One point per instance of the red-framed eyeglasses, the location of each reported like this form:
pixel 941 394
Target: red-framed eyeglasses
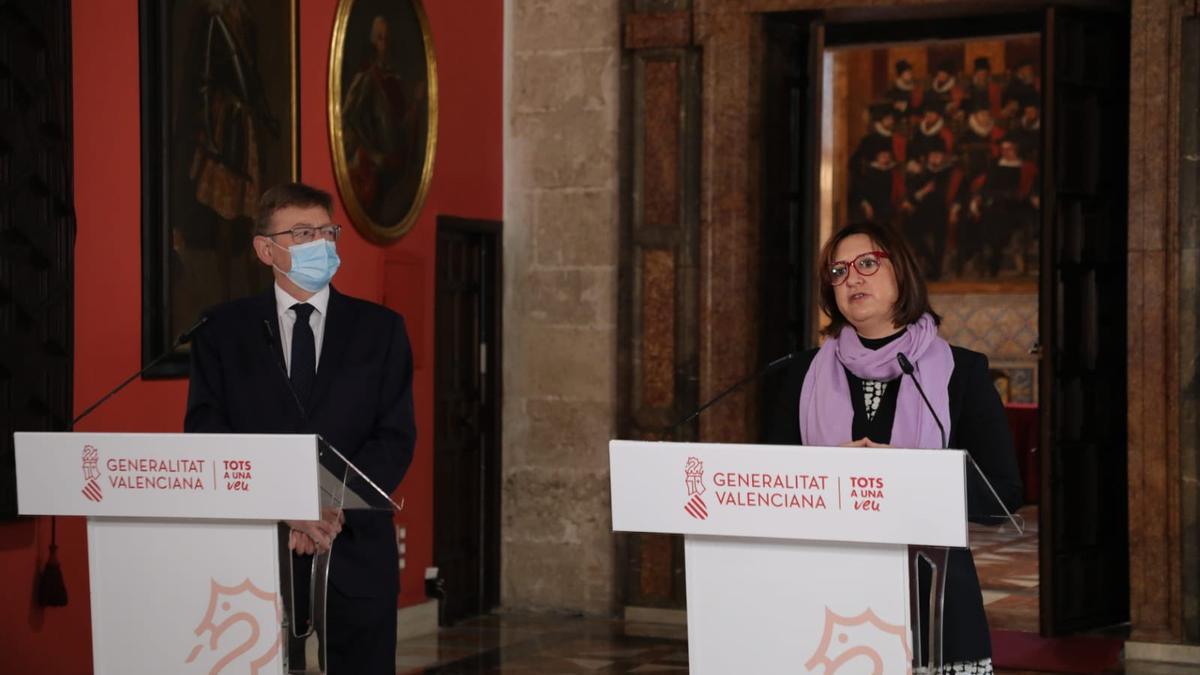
pixel 867 264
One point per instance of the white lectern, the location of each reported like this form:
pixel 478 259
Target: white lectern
pixel 797 557
pixel 184 541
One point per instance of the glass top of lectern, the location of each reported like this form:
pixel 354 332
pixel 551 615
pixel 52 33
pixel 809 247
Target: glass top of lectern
pixel 344 486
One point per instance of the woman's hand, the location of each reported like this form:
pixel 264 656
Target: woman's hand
pixel 865 442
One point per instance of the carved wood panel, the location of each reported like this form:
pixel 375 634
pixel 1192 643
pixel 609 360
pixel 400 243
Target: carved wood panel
pixel 37 226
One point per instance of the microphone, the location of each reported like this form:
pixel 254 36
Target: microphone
pixel 271 344
pixel 737 385
pixel 907 367
pixel 184 338
pixel 51 590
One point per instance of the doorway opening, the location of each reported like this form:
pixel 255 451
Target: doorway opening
pixel 941 140
pixel 987 141
pixel 466 544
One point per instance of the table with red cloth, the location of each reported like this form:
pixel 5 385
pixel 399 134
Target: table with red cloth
pixel 1023 420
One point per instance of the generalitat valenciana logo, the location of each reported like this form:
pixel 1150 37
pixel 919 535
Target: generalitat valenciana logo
pixel 693 474
pixel 91 473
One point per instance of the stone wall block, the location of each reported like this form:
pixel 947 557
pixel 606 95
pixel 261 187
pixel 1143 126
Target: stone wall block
pixel 578 297
pixel 567 149
pixel 578 80
pixel 545 584
pixel 540 25
pixel 567 362
pixel 558 505
pixel 576 227
pixel 560 433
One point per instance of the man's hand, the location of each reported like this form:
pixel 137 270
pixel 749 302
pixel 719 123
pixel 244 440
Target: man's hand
pixel 301 543
pixel 318 533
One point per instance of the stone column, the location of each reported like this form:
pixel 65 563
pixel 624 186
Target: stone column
pixel 560 285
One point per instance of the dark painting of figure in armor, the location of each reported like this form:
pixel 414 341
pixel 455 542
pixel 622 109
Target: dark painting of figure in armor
pixel 942 140
pixel 219 97
pixel 383 113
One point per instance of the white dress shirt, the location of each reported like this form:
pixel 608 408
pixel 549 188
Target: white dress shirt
pixel 287 320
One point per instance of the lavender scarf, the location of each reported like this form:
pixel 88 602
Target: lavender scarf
pixel 826 413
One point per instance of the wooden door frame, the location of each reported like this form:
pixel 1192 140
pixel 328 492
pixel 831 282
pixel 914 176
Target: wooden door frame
pixel 728 35
pixel 1157 534
pixel 730 208
pixel 490 524
pixel 1050 296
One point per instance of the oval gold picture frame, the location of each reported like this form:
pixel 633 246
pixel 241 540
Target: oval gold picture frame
pixel 380 113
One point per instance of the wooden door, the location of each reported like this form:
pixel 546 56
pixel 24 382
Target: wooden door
pixel 37 227
pixel 791 131
pixel 466 541
pixel 1084 547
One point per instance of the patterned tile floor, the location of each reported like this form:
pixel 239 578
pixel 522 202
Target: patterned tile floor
pixel 1007 564
pixel 541 644
pixel 522 644
pixel 525 644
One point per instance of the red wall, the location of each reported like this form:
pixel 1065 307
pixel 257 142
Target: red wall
pixel 467 181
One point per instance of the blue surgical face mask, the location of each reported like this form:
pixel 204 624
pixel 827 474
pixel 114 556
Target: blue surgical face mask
pixel 313 264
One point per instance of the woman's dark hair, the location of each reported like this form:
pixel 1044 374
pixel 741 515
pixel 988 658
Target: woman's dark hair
pixel 913 298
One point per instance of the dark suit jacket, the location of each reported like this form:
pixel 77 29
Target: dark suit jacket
pixel 978 425
pixel 361 403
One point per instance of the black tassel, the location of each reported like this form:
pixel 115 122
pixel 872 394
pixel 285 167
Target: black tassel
pixel 52 592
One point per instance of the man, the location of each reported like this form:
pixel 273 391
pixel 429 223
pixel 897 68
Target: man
pixel 877 191
pixel 1024 84
pixel 349 364
pixel 1004 204
pixel 944 91
pixel 931 133
pixel 979 142
pixel 882 134
pixel 383 127
pixel 982 92
pixel 904 94
pixel 932 207
pixel 1026 131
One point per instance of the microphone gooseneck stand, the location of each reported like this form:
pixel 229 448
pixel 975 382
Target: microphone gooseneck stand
pixel 773 365
pixel 52 592
pixel 936 557
pixel 184 338
pixel 907 368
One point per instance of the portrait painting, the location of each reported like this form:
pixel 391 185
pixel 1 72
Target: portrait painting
pixel 941 140
pixel 382 113
pixel 219 126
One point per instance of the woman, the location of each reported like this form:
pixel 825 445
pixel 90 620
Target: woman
pixel 850 392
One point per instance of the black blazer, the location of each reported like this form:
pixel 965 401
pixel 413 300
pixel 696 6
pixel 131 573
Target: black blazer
pixel 978 425
pixel 361 403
